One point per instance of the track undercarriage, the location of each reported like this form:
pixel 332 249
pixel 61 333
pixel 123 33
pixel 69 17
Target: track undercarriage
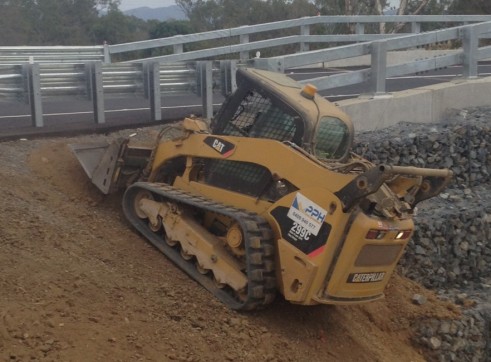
pixel 228 251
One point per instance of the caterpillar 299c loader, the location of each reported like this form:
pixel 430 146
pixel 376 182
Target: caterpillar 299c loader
pixel 268 198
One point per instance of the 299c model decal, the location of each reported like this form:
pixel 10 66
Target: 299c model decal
pixel 298 232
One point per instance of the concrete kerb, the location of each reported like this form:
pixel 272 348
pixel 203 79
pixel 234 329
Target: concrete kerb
pixel 429 104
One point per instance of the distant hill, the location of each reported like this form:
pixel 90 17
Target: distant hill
pixel 162 14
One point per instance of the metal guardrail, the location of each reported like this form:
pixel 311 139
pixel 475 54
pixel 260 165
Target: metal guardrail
pixel 73 80
pixel 31 83
pixel 52 54
pixel 468 55
pixel 240 40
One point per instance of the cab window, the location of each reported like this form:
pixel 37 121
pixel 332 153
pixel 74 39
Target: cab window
pixel 331 139
pixel 257 116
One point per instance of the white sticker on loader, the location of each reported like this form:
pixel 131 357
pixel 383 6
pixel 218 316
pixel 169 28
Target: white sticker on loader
pixel 307 213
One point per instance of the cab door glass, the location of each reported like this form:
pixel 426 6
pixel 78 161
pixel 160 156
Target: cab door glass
pixel 331 138
pixel 258 117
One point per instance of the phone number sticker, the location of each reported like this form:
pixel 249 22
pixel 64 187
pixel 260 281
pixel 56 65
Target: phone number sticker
pixel 307 214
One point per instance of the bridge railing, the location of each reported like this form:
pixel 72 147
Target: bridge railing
pixel 152 79
pixel 95 81
pixel 240 40
pixel 52 54
pixel 469 54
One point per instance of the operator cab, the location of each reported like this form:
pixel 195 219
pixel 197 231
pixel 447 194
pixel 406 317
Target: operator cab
pixel 271 105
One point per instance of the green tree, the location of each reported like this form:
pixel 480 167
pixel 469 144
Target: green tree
pixel 169 28
pixel 220 14
pixel 203 14
pixel 114 27
pixel 64 22
pixel 50 22
pixel 350 7
pixel 378 7
pixel 15 22
pixel 371 7
pixel 468 7
pixel 223 14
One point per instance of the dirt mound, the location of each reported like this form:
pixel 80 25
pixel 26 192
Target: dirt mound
pixel 50 163
pixel 79 284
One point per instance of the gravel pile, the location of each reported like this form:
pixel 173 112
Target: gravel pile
pixel 449 251
pixel 449 248
pixel 454 340
pixel 461 143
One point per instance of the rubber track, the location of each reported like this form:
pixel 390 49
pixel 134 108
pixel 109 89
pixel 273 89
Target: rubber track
pixel 258 237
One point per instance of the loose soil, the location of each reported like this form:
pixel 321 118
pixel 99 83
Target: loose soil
pixel 77 283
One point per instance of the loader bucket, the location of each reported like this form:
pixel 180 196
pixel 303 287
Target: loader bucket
pixel 99 161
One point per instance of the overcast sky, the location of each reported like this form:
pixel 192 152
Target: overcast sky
pixel 131 4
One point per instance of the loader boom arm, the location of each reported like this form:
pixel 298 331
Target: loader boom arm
pixel 432 182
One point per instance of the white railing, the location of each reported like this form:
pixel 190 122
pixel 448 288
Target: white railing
pixel 31 82
pixel 239 40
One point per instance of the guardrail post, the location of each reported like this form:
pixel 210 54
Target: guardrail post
pixel 304 31
pixel 244 39
pixel 228 68
pixel 470 41
pixel 107 53
pixel 96 90
pixel 178 48
pixel 415 27
pixel 205 88
pixel 378 67
pixel 360 28
pixel 33 83
pixel 153 90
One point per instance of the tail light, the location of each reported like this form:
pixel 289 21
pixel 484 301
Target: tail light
pixel 403 234
pixel 374 234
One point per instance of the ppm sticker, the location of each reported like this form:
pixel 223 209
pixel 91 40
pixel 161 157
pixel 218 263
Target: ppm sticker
pixel 307 214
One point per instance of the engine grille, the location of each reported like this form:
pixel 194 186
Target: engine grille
pixel 378 255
